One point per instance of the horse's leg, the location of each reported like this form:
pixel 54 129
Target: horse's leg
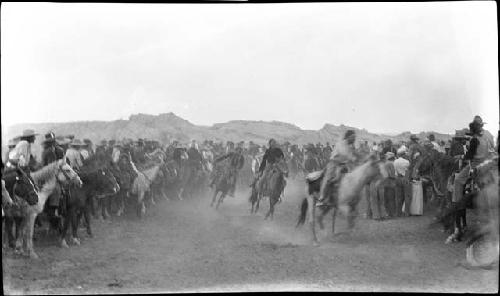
pixel 75 217
pixel 311 203
pixel 220 200
pixel 30 227
pixel 86 215
pixel 214 196
pixel 258 202
pixel 9 228
pixel 20 226
pixel 322 212
pixel 64 230
pixel 334 216
pixel 121 203
pixel 270 207
pixel 140 198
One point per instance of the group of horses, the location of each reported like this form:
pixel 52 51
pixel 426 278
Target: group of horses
pixel 126 183
pixel 437 169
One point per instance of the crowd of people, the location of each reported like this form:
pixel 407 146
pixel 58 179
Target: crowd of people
pixel 248 163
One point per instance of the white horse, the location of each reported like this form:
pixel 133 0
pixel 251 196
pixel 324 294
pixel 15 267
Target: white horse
pixel 346 199
pixel 46 177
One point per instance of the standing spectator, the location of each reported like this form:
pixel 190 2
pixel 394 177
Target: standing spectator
pixel 403 186
pixel 388 186
pixel 73 154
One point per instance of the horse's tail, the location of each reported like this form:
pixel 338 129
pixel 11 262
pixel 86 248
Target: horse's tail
pixel 303 213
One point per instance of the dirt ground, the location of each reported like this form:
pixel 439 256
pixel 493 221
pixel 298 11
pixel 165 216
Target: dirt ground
pixel 186 246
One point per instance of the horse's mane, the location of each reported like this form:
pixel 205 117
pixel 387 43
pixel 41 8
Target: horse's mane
pixel 46 173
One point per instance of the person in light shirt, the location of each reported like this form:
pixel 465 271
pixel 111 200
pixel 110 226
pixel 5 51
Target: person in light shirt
pixel 403 186
pixel 21 155
pixel 73 154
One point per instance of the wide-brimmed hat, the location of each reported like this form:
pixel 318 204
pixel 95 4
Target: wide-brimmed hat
pixel 414 137
pixel 87 141
pixel 62 140
pixel 27 133
pixel 13 141
pixel 50 137
pixel 103 142
pixel 402 150
pixel 478 120
pixel 76 143
pixel 461 133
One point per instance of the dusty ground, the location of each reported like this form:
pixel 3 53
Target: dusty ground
pixel 188 246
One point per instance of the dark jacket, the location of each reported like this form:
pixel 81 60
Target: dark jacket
pixel 272 155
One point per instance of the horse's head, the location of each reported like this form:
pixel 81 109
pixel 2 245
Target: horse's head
pixel 107 181
pixel 376 168
pixel 19 184
pixel 67 174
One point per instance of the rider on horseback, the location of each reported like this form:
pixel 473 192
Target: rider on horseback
pixel 236 162
pixel 343 156
pixel 273 155
pixel 481 147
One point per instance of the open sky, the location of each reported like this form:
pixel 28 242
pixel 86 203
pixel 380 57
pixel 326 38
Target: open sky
pixel 385 67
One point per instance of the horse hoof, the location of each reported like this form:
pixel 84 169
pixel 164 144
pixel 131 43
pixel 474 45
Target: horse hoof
pixel 64 244
pixel 33 255
pixel 76 241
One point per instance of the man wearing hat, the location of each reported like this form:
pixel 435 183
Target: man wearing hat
pixel 343 157
pixel 236 162
pixel 73 154
pixel 21 154
pixel 11 145
pixel 388 189
pixel 86 150
pixel 403 186
pixel 51 150
pixel 311 163
pixel 481 147
pixel 100 151
pixel 414 151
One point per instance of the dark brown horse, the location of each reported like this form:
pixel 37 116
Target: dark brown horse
pixel 273 187
pixel 222 184
pixel 97 181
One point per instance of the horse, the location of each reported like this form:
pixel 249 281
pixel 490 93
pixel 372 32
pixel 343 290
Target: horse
pixel 125 173
pixel 103 162
pixel 482 249
pixel 46 177
pixel 436 168
pixel 222 184
pixel 18 188
pixel 97 181
pixel 273 187
pixel 345 199
pixel 142 185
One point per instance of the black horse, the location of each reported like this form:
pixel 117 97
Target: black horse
pixel 97 180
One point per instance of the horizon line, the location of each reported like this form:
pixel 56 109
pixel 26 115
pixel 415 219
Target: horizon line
pixel 385 133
